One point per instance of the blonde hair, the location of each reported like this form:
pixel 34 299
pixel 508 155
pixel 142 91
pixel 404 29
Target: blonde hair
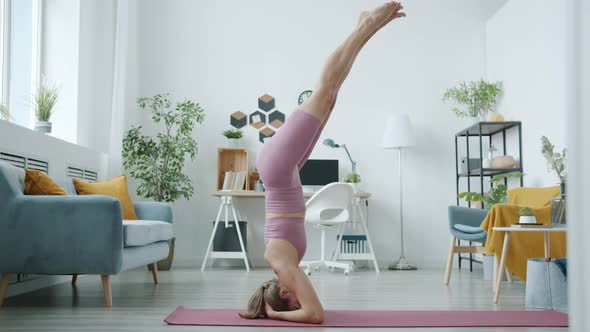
pixel 268 292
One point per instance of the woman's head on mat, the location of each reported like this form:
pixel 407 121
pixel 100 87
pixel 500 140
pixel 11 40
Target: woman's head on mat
pixel 272 293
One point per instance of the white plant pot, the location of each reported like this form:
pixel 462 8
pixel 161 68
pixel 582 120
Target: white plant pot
pixel 527 220
pixel 233 142
pixel 469 121
pixel 43 127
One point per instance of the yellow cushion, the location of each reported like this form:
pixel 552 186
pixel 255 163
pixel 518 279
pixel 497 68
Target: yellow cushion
pixel 39 183
pixel 532 197
pixel 116 188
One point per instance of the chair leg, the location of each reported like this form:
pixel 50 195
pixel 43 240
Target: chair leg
pixel 459 257
pixel 74 279
pixel 508 276
pixel 3 286
pixel 450 260
pixel 106 285
pixel 154 267
pixel 470 259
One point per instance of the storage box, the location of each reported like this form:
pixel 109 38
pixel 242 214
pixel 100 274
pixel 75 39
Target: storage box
pixel 546 285
pixel 226 239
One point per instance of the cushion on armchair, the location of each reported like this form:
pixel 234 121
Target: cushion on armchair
pixel 468 229
pixel 143 232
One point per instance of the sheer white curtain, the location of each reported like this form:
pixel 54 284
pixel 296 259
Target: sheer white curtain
pixel 119 87
pixel 578 164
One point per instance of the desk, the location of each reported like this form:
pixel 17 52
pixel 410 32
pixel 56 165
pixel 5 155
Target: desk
pixel 507 231
pixel 227 206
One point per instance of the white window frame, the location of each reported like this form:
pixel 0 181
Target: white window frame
pixel 5 50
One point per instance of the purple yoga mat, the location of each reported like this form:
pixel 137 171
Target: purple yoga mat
pixel 380 318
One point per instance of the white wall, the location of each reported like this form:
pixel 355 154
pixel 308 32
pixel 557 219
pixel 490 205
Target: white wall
pixel 226 54
pixel 579 140
pixel 95 80
pixel 526 49
pixel 59 62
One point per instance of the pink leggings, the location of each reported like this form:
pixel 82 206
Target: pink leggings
pixel 278 164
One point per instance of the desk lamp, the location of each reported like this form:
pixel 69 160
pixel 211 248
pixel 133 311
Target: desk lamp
pixel 330 142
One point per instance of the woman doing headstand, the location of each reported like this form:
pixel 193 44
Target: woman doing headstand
pixel 291 296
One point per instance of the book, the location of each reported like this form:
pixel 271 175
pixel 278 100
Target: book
pixel 226 178
pixel 240 180
pixel 537 225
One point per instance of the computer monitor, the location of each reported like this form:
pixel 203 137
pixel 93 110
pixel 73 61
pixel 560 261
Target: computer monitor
pixel 319 172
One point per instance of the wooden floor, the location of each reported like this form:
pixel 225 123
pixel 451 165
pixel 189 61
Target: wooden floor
pixel 138 305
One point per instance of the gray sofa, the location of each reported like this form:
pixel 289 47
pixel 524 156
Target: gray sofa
pixel 72 235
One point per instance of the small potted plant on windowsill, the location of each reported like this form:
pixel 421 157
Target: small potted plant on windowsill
pixel 43 102
pixel 4 114
pixel 233 137
pixel 527 216
pixel 354 179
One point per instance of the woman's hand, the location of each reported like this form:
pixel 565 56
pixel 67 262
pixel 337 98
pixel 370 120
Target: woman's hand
pixel 270 313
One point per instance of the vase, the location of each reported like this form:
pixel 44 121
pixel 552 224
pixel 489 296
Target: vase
pixel 233 142
pixel 527 220
pixel 469 121
pixel 43 127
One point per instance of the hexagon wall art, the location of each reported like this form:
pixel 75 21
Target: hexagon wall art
pixel 238 119
pixel 257 119
pixel 266 119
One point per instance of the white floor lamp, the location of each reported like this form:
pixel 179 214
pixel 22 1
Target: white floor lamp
pixel 399 135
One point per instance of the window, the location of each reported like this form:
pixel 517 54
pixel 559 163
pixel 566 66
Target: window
pixel 19 49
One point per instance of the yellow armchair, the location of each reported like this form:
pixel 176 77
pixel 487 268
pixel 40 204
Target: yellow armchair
pixel 522 245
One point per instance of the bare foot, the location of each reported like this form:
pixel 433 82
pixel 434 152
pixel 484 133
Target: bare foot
pixel 381 16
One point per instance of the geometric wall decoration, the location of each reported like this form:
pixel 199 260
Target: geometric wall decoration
pixel 265 119
pixel 276 119
pixel 265 133
pixel 266 102
pixel 238 119
pixel 258 119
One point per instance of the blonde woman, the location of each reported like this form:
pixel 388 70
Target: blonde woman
pixel 291 296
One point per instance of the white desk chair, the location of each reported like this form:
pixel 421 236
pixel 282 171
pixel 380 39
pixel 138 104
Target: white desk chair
pixel 333 197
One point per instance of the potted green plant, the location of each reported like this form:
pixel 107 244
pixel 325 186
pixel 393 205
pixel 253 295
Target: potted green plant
pixel 527 216
pixel 473 99
pixel 354 179
pixel 496 194
pixel 555 161
pixel 158 163
pixel 233 137
pixel 43 102
pixel 4 114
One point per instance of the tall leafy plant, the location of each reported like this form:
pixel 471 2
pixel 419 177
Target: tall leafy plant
pixel 4 114
pixel 473 98
pixel 496 194
pixel 158 163
pixel 555 161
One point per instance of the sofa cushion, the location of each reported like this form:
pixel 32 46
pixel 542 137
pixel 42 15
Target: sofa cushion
pixel 39 183
pixel 117 188
pixel 142 232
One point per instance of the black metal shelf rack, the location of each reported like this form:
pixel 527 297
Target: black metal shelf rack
pixel 482 130
pixel 488 130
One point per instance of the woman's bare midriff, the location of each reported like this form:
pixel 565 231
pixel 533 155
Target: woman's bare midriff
pixel 286 215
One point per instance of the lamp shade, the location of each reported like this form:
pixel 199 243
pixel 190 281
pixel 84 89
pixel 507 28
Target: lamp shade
pixel 398 132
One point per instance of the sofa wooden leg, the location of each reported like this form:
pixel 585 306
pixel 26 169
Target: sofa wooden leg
pixel 74 279
pixel 3 286
pixel 154 267
pixel 450 260
pixel 106 285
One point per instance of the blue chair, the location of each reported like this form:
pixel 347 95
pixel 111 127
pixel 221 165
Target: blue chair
pixel 71 235
pixel 464 225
